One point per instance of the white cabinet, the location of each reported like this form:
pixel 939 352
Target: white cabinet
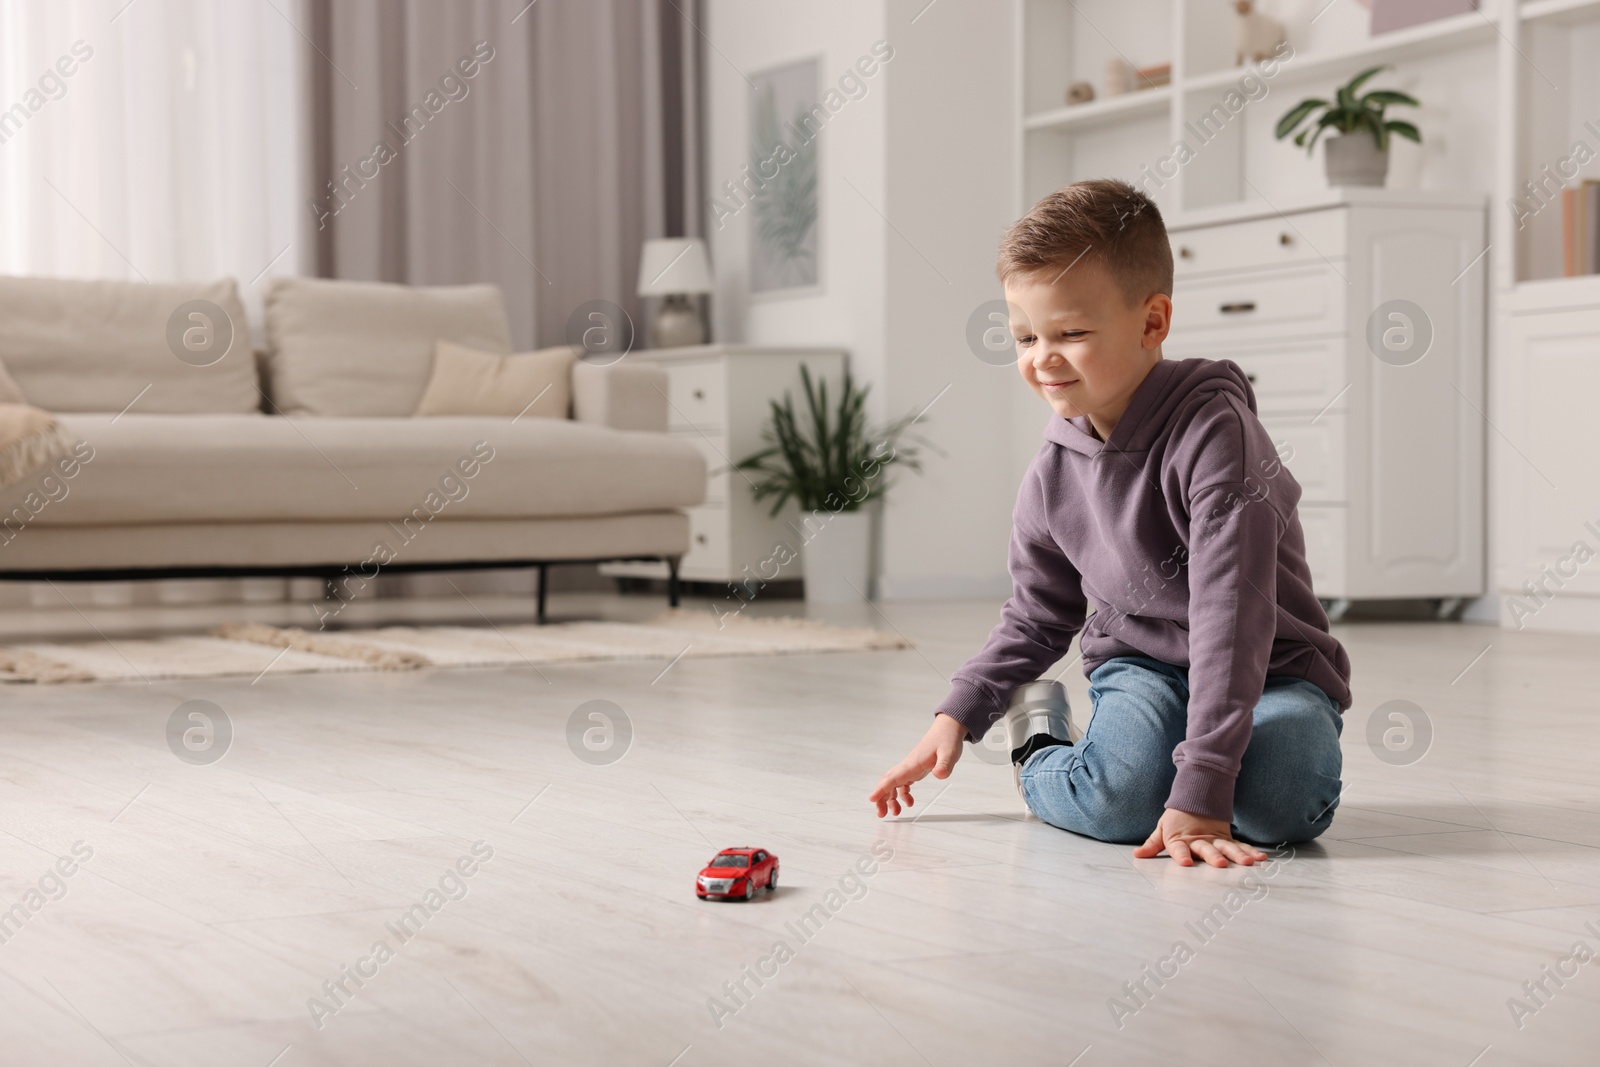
pixel 1548 481
pixel 1359 319
pixel 719 400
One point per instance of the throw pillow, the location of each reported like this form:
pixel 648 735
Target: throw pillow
pixel 468 382
pixel 346 348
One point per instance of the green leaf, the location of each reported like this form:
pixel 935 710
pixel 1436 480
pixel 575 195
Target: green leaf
pixel 1404 129
pixel 1385 97
pixel 830 458
pixel 1334 119
pixel 1349 91
pixel 1296 115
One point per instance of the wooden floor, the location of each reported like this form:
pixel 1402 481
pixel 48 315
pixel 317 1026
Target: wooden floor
pixel 220 898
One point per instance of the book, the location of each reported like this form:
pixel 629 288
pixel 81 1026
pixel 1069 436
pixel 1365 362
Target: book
pixel 1591 189
pixel 1580 228
pixel 1569 232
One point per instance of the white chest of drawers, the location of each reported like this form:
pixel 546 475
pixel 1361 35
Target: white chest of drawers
pixel 719 399
pixel 1386 444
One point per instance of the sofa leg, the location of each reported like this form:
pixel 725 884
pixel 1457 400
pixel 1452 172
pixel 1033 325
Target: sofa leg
pixel 672 581
pixel 544 576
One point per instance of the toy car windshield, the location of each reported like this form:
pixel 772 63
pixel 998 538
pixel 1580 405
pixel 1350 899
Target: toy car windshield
pixel 729 859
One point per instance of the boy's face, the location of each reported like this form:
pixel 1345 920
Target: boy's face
pixel 1080 344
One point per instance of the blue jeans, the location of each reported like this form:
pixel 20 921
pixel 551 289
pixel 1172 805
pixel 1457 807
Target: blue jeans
pixel 1113 784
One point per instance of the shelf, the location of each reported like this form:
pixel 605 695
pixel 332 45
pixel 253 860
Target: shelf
pixel 1559 10
pixel 1555 294
pixel 1320 200
pixel 1458 31
pixel 1141 103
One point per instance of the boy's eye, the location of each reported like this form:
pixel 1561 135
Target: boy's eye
pixel 1025 341
pixel 1073 335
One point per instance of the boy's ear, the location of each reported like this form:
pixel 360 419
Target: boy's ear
pixel 1157 320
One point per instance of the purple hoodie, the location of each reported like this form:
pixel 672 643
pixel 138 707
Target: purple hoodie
pixel 1189 490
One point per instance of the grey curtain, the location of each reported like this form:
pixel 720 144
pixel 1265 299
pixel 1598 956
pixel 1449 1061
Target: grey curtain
pixel 536 146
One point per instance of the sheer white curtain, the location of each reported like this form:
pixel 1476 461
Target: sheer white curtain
pixel 172 149
pixel 151 140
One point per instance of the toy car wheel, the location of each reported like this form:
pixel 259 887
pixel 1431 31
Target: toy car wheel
pixel 750 888
pixel 772 883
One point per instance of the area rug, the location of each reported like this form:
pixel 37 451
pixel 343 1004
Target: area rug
pixel 251 649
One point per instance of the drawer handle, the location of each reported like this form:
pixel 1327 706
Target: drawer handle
pixel 700 539
pixel 699 394
pixel 1285 239
pixel 1251 378
pixel 1242 307
pixel 1184 253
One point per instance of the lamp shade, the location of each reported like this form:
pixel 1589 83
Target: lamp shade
pixel 670 265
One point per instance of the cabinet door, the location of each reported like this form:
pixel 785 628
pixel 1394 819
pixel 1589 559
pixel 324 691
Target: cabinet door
pixel 1552 490
pixel 1416 425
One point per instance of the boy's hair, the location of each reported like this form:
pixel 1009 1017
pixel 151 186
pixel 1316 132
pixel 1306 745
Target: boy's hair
pixel 1103 218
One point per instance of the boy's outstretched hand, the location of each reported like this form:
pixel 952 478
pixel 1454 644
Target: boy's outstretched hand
pixel 938 751
pixel 1185 836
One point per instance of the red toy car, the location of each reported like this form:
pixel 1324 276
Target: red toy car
pixel 738 872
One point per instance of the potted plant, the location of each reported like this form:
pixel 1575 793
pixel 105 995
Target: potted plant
pixel 1359 153
pixel 832 465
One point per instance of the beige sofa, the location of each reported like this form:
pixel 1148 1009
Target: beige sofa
pixel 304 459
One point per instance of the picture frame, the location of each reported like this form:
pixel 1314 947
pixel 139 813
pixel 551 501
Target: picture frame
pixel 784 149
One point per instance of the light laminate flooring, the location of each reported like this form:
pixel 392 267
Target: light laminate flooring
pixel 220 897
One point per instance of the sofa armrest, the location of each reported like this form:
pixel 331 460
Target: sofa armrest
pixel 625 396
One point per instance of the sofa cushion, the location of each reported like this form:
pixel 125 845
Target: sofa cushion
pixel 534 385
pixel 360 545
pixel 243 468
pixel 342 348
pixel 75 345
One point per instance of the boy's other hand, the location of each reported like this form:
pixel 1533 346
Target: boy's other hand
pixel 1185 836
pixel 938 751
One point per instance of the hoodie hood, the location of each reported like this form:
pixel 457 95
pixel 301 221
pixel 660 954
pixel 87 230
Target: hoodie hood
pixel 1172 389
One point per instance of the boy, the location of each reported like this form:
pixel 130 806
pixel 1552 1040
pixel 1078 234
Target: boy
pixel 1217 689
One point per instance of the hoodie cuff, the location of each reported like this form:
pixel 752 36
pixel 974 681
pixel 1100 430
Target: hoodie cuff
pixel 1202 790
pixel 972 707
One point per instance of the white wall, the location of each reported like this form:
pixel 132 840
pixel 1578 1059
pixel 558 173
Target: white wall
pixel 951 184
pixel 916 188
pixel 751 35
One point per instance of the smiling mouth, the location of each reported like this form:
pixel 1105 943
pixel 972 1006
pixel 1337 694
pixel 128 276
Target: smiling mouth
pixel 1058 385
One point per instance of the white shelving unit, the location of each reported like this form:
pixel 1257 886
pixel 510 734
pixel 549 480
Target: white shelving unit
pixel 1506 90
pixel 1235 157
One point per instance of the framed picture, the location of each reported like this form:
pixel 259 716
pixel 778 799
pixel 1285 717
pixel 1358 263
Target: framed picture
pixel 784 210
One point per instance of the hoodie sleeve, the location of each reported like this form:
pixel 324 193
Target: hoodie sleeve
pixel 1234 530
pixel 1046 608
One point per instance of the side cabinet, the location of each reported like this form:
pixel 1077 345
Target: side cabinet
pixel 1361 326
pixel 719 400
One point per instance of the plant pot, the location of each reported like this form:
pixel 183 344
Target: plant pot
pixel 837 559
pixel 1355 159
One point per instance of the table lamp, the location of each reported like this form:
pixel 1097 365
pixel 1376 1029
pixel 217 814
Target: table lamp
pixel 675 268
